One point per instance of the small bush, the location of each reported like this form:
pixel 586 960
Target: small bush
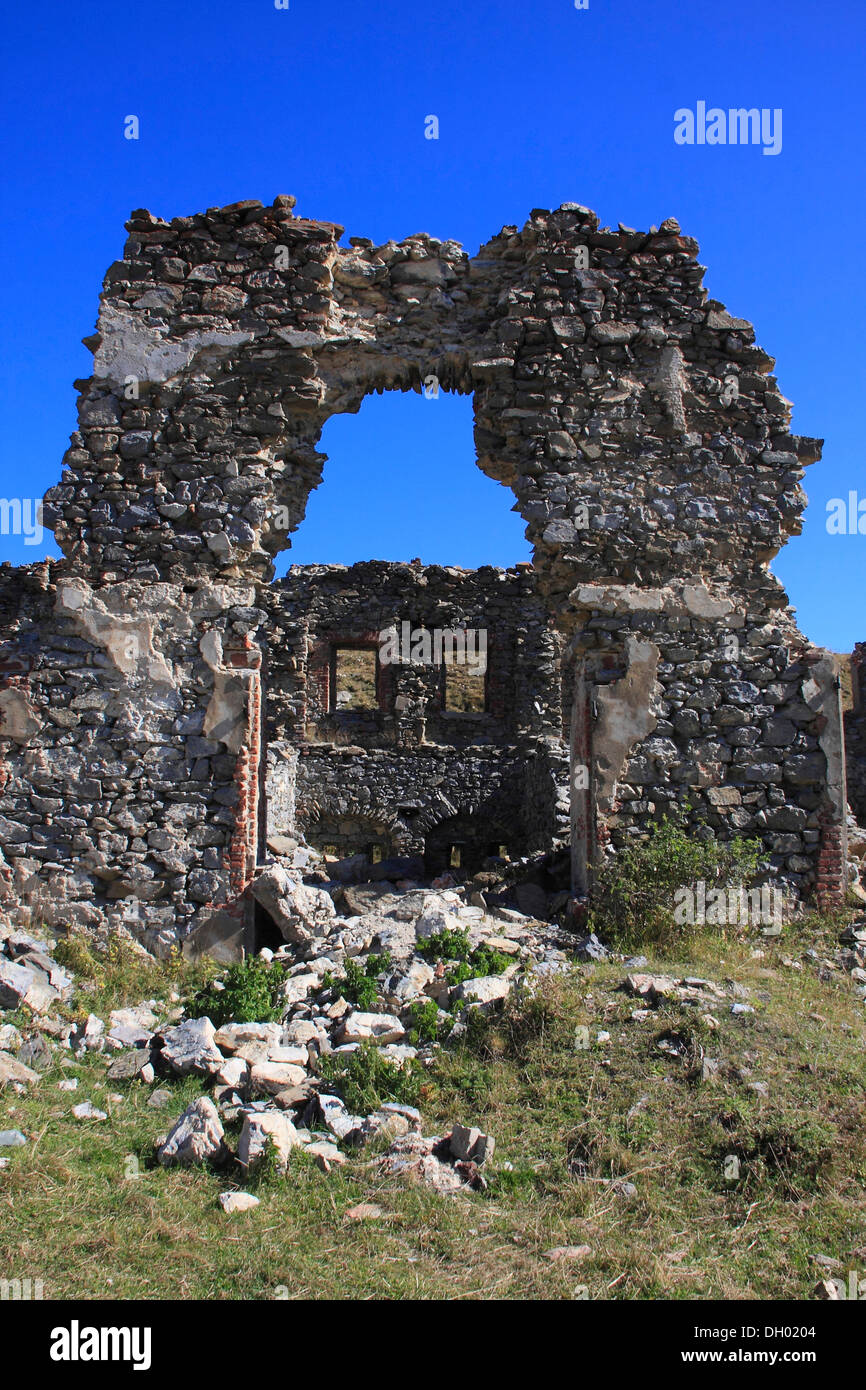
pixel 425 1024
pixel 484 960
pixel 451 944
pixel 251 993
pixel 633 892
pixel 358 981
pixel 365 1079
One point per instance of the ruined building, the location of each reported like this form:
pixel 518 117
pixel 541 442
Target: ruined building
pixel 164 705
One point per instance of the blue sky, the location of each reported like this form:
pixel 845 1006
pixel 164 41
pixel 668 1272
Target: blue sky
pixel 538 104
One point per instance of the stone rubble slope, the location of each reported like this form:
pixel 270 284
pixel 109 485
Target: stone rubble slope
pixel 266 1076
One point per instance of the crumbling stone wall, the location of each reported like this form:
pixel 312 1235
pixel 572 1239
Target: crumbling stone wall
pixel 647 446
pixel 395 772
pixel 855 735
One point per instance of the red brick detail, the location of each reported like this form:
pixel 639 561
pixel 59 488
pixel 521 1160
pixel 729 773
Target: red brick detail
pixel 243 850
pixel 831 883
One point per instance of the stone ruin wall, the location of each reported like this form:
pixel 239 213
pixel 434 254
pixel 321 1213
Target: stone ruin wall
pixel 855 735
pixel 654 498
pixel 400 771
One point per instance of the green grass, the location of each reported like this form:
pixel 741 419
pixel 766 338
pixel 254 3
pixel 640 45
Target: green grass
pixel 569 1121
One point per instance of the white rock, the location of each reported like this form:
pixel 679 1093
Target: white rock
pixel 398 1053
pixel 20 985
pixel 357 1026
pixel 233 1035
pixel 272 1077
pixel 336 1117
pixel 294 991
pixel 471 1144
pixel 11 1070
pixel 10 1038
pixel 259 1127
pixel 485 989
pixel 88 1111
pixel 191 1047
pixel 326 1153
pixel 235 1073
pixel 301 912
pixel 197 1136
pixel 303 1031
pixel 238 1201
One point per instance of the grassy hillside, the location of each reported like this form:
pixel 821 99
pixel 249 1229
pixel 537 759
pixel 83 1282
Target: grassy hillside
pixel 619 1146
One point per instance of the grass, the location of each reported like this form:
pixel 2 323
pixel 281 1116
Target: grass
pixel 569 1121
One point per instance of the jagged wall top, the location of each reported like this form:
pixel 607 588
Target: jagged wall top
pixel 601 376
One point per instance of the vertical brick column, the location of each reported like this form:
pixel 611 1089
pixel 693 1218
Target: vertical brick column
pixel 243 849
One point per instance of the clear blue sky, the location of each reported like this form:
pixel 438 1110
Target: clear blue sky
pixel 538 104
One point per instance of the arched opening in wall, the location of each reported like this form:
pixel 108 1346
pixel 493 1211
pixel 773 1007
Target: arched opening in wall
pixel 402 480
pixel 408 655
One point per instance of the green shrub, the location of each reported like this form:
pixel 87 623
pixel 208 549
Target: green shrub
pixel 358 984
pixel 633 892
pixel 365 1079
pixel 451 944
pixel 484 960
pixel 425 1024
pixel 251 993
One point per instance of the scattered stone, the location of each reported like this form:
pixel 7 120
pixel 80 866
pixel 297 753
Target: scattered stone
pixel 237 1201
pixel 128 1066
pixel 191 1048
pixel 590 948
pixel 260 1129
pixel 269 1078
pixel 196 1137
pixel 471 1145
pixel 364 1211
pixel 233 1035
pixel 486 989
pixel 12 1139
pixel 13 1070
pixel 88 1111
pixel 299 911
pixel 35 1053
pixel 326 1155
pixel 356 1027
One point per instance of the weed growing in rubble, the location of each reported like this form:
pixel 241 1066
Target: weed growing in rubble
pixel 358 983
pixel 250 993
pixel 484 960
pixel 453 945
pixel 446 945
pixel 425 1025
pixel 633 891
pixel 365 1079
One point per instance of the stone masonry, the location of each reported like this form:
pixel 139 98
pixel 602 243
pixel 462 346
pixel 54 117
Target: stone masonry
pixel 396 773
pixel 647 445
